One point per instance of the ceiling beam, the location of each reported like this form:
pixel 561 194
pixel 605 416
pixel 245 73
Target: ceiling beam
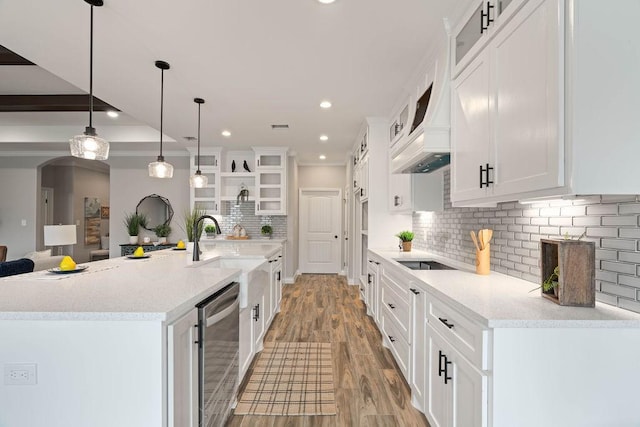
pixel 8 57
pixel 34 103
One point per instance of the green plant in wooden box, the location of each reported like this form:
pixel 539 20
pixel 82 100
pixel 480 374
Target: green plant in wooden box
pixel 210 229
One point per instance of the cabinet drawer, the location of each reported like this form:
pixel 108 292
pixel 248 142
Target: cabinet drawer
pixel 399 284
pixel 397 309
pixel 399 346
pixel 465 335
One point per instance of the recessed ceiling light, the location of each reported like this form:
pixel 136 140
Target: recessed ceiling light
pixel 112 114
pixel 226 133
pixel 325 104
pixel 324 138
pixel 322 157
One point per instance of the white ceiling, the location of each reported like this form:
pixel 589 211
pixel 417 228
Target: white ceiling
pixel 255 63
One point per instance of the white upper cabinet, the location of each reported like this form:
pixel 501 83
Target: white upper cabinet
pixel 482 21
pixel 208 197
pixel 544 100
pixel 416 192
pixel 271 180
pixel 506 113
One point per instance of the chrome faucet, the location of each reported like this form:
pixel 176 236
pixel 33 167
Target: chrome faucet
pixel 196 237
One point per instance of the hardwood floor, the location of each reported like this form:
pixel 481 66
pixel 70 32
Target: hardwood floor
pixel 370 389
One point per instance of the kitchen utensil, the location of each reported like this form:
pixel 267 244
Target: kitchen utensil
pixel 480 239
pixel 488 234
pixel 475 240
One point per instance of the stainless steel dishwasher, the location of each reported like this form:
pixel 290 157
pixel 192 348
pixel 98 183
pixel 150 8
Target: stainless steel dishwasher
pixel 218 346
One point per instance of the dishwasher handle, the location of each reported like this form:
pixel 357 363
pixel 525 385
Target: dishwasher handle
pixel 212 320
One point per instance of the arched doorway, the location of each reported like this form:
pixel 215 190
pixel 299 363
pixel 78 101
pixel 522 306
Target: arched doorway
pixel 73 191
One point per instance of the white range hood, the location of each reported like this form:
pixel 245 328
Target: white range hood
pixel 427 147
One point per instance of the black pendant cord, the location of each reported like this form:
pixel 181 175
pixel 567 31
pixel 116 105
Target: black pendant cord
pixel 199 105
pixel 91 72
pixel 161 107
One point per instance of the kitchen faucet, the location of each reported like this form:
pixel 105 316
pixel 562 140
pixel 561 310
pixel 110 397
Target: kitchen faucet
pixel 196 237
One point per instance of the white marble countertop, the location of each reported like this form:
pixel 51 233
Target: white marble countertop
pixel 250 240
pixel 501 301
pixel 159 288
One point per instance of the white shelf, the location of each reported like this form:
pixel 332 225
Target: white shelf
pixel 237 174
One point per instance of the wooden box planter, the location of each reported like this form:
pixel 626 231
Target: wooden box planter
pixel 577 271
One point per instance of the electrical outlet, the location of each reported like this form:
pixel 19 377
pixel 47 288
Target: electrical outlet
pixel 20 374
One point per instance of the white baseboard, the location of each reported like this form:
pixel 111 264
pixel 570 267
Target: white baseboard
pixel 291 280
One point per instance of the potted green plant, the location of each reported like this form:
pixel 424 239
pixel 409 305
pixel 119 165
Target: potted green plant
pixel 190 218
pixel 162 231
pixel 133 222
pixel 406 237
pixel 266 231
pixel 210 229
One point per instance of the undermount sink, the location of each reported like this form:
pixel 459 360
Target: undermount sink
pixel 425 265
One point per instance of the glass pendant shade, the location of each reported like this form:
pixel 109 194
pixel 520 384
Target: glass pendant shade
pixel 160 169
pixel 198 180
pixel 89 146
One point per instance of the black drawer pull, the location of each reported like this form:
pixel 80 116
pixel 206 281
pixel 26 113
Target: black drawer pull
pixel 368 278
pixel 440 356
pixel 445 321
pixel 392 339
pixel 415 291
pixel 391 306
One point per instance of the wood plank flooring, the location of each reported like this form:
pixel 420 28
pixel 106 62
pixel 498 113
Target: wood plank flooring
pixel 370 389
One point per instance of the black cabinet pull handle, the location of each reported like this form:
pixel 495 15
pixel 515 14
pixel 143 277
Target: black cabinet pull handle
pixel 391 306
pixel 486 15
pixel 415 291
pixel 279 275
pixel 446 370
pixel 482 27
pixel 489 181
pixel 440 357
pixel 392 339
pixel 361 192
pixel 481 180
pixel 354 183
pixel 489 18
pixel 445 321
pixel 369 278
pixel 396 200
pixel 256 312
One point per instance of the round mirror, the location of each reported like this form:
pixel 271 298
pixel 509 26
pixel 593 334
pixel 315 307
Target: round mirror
pixel 157 209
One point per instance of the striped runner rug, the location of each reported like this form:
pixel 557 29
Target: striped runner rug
pixel 290 379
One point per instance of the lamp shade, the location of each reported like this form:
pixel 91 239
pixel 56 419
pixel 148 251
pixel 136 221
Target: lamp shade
pixel 89 146
pixel 60 235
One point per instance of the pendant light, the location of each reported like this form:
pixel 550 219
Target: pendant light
pixel 160 168
pixel 89 145
pixel 198 180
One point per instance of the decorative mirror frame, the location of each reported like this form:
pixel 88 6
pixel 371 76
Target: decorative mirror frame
pixel 169 212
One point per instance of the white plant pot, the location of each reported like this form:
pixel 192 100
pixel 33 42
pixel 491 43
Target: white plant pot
pixel 133 240
pixel 190 247
pixel 162 240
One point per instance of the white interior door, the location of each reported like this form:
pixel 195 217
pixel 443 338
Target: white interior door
pixel 320 230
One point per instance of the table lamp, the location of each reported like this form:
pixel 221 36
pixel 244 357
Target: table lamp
pixel 60 235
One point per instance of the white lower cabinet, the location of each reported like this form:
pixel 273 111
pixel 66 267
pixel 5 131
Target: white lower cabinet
pixel 456 392
pixel 419 368
pixel 182 337
pixel 263 302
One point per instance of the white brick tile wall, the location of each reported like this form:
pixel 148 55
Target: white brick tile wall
pixel 245 215
pixel 610 221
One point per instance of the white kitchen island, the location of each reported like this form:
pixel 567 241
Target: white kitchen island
pixel 99 338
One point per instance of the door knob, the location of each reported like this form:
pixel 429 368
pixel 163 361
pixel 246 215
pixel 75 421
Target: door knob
pixel 335 237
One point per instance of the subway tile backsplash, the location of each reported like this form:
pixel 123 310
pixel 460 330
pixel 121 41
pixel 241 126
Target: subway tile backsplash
pixel 245 215
pixel 612 222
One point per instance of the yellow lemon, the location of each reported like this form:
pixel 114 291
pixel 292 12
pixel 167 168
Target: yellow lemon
pixel 67 263
pixel 180 244
pixel 139 251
